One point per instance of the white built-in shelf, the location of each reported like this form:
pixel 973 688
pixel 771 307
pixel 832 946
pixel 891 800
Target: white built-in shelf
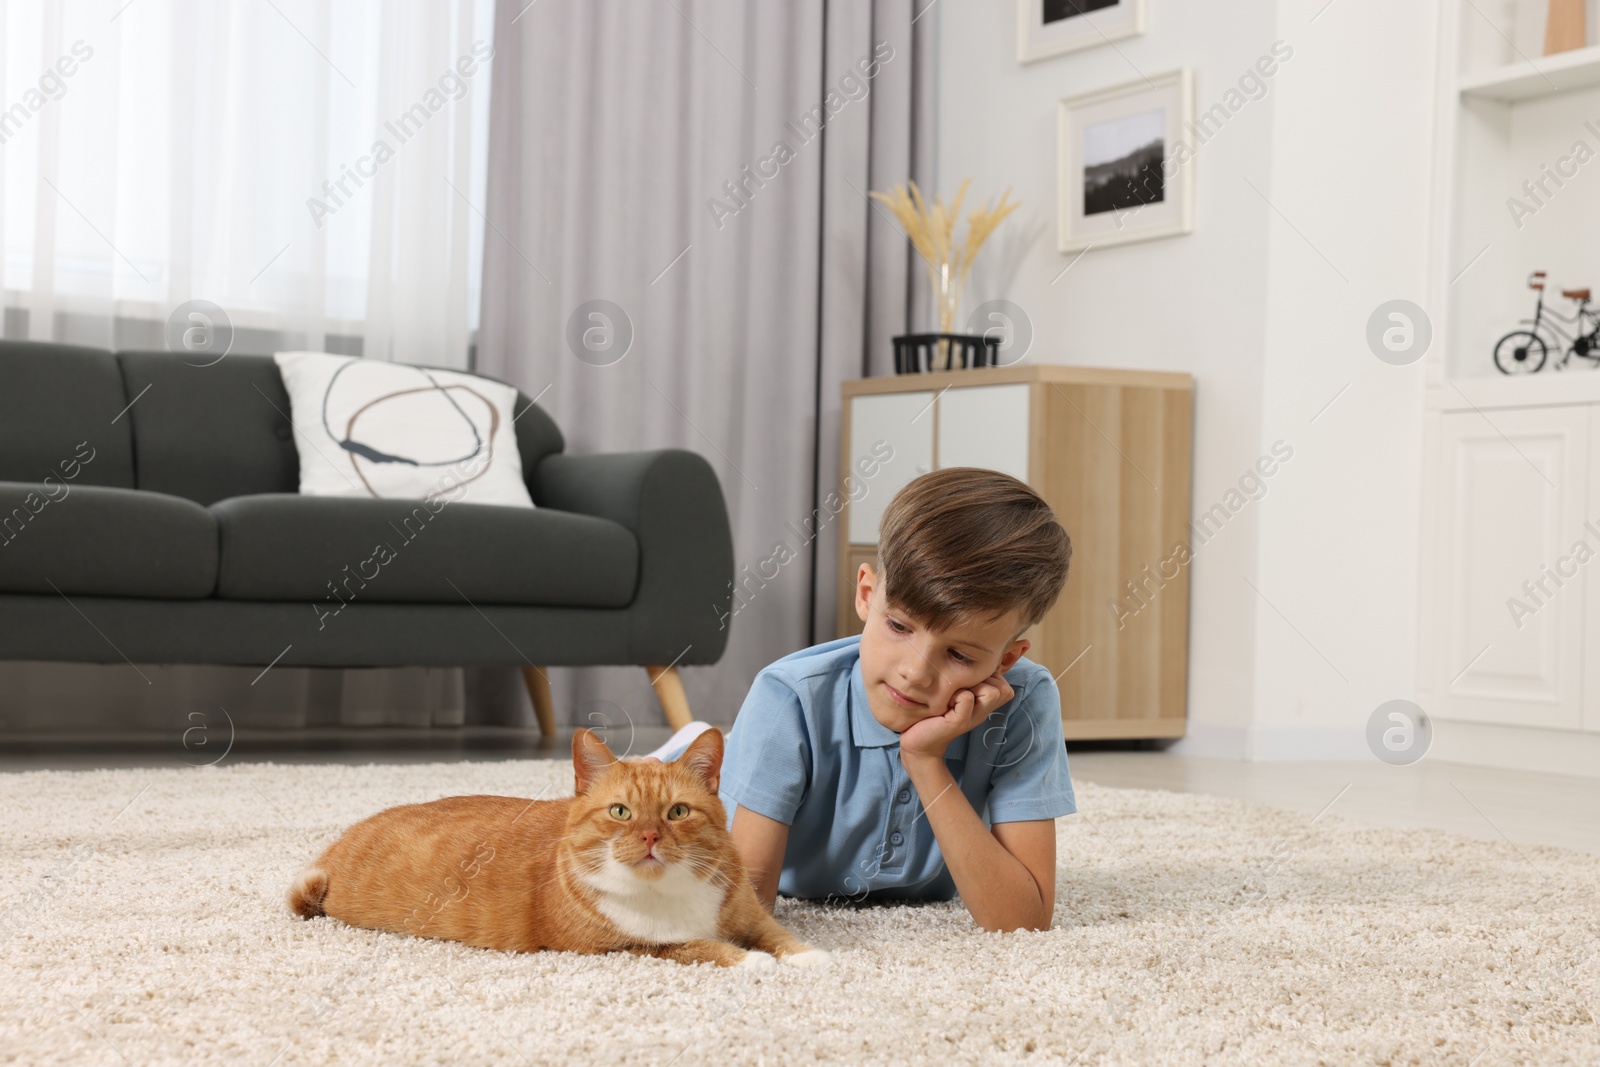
pixel 1536 77
pixel 1489 392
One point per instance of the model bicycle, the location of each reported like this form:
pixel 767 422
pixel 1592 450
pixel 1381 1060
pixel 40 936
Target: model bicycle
pixel 1524 351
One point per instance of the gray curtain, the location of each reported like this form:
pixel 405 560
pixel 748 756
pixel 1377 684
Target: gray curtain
pixel 681 253
pixel 74 699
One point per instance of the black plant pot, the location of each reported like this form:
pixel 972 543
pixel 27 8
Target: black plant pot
pixel 918 353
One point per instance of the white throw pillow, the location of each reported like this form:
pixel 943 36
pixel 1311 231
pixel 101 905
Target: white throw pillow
pixel 369 428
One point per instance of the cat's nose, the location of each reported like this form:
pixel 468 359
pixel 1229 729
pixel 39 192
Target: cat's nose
pixel 649 837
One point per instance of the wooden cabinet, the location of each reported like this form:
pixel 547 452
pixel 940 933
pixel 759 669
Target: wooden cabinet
pixel 1110 452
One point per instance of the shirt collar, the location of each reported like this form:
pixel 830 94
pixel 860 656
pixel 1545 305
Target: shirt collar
pixel 867 732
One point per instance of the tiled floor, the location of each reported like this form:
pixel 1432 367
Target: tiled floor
pixel 1516 806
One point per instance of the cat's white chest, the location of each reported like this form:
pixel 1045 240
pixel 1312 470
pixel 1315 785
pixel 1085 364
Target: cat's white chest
pixel 675 907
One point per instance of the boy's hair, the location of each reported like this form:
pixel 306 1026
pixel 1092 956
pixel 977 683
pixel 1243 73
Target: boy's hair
pixel 965 543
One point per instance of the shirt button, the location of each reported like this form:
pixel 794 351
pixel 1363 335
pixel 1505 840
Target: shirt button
pixel 905 795
pixel 897 838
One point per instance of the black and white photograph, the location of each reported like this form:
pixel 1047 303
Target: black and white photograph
pixel 1047 28
pixel 1056 10
pixel 1124 171
pixel 1122 162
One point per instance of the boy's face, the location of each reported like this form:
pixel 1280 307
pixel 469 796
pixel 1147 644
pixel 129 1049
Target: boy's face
pixel 913 672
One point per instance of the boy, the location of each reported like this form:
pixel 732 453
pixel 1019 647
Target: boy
pixel 924 758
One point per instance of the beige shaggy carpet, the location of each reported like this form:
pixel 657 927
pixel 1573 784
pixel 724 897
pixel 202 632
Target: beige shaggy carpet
pixel 142 922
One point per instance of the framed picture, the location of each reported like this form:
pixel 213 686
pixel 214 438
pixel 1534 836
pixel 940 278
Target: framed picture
pixel 1055 27
pixel 1126 171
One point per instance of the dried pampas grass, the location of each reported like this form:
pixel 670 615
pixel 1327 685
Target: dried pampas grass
pixel 932 232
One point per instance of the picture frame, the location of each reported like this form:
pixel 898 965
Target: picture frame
pixel 1125 163
pixel 1048 28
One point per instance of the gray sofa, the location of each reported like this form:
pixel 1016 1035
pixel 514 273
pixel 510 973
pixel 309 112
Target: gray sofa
pixel 149 512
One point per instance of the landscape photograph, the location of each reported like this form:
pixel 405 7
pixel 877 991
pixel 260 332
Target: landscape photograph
pixel 1056 10
pixel 1122 162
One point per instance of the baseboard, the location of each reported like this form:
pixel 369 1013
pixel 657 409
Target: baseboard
pixel 1513 748
pixel 1210 741
pixel 1274 744
pixel 1517 748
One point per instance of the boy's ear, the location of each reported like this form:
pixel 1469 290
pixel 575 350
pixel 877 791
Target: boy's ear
pixel 703 758
pixel 1015 651
pixel 590 759
pixel 866 582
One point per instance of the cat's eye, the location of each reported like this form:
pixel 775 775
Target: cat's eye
pixel 678 811
pixel 620 811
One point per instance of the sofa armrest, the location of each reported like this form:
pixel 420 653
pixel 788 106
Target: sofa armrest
pixel 672 502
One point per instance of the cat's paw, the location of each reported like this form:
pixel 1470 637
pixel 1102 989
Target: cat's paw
pixel 757 960
pixel 811 957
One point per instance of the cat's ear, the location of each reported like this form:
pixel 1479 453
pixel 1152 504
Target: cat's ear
pixel 590 759
pixel 703 758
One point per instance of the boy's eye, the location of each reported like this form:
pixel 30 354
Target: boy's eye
pixel 898 628
pixel 678 811
pixel 959 658
pixel 620 811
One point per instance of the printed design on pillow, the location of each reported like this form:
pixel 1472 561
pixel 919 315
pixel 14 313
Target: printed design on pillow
pixel 371 454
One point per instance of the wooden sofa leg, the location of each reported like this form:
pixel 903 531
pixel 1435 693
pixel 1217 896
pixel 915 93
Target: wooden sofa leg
pixel 538 683
pixel 669 689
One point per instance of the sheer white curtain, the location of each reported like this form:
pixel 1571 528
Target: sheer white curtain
pixel 315 169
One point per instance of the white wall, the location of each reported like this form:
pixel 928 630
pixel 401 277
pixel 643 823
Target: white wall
pixel 1351 172
pixel 1340 145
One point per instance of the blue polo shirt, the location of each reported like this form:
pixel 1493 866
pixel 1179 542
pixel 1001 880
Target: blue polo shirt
pixel 807 751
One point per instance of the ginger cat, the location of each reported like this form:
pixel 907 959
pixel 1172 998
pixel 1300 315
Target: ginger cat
pixel 639 861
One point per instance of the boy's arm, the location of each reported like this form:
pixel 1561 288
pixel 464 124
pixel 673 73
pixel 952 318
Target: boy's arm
pixel 762 842
pixel 1007 878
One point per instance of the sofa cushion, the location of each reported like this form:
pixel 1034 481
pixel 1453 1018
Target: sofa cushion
pixel 209 432
pixel 329 550
pixel 58 402
pixel 100 541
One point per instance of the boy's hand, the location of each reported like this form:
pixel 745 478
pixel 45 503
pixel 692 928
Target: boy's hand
pixel 968 708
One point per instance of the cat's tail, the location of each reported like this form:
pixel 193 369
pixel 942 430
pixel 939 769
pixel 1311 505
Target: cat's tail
pixel 307 891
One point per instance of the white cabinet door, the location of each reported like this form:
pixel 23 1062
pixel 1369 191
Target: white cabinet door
pixel 1503 601
pixel 896 425
pixel 1591 582
pixel 985 426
